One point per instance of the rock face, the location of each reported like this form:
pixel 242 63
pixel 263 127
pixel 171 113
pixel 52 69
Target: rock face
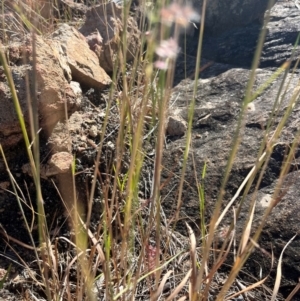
pixel 237 47
pixel 220 93
pixel 223 15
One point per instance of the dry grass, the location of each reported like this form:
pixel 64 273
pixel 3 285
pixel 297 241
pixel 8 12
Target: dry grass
pixel 147 259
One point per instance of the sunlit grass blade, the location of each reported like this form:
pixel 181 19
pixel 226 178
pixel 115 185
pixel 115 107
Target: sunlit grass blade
pixel 161 286
pixel 180 286
pixel 193 280
pixel 247 289
pixel 117 296
pixel 279 270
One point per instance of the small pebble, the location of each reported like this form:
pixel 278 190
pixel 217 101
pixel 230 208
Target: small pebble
pixel 110 145
pixel 93 132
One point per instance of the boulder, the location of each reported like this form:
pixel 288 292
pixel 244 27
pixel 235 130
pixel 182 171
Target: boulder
pixel 220 93
pixel 223 15
pixel 218 104
pixel 104 28
pixel 237 46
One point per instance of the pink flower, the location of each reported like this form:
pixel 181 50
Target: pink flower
pixel 162 65
pixel 169 13
pixel 151 252
pixel 181 15
pixel 167 49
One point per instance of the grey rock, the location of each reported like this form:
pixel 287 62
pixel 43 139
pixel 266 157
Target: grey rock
pixel 176 126
pixel 218 105
pixel 222 15
pixel 237 46
pixel 220 93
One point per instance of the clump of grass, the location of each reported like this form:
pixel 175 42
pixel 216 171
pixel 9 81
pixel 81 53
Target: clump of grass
pixel 135 249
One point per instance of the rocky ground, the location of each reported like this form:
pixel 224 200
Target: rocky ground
pixel 226 62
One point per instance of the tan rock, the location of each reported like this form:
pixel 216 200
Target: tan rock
pixel 59 163
pixel 63 60
pixel 55 94
pixel 63 133
pixel 93 131
pixel 56 98
pixel 83 62
pixel 60 139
